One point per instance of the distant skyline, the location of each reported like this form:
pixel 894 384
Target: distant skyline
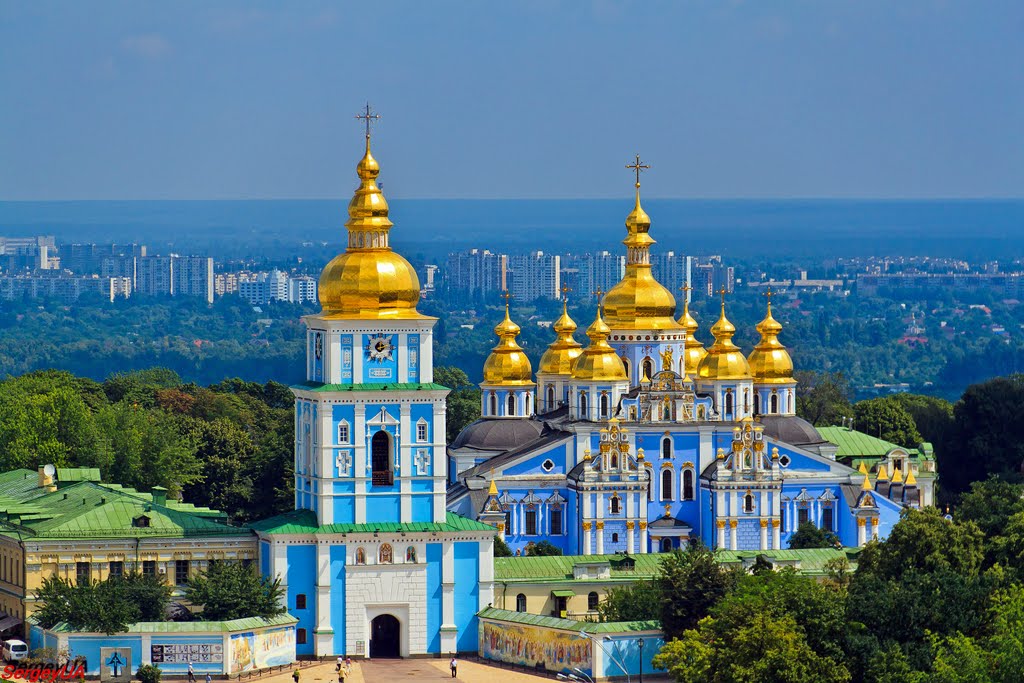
pixel 545 99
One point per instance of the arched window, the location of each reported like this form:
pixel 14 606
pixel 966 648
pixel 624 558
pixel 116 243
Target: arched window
pixel 410 555
pixel 688 484
pixel 380 460
pixel 666 545
pixel 613 461
pixel 615 538
pixel 551 398
pixel 343 432
pixel 666 484
pixel 728 403
pixel 527 412
pixel 592 601
pixel 748 502
pixel 521 603
pixel 666 448
pixel 625 364
pixel 775 404
pixel 360 556
pixel 615 505
pixel 494 403
pixel 757 403
pixel 386 555
pixel 511 403
pixel 604 405
pixel 702 413
pixel 648 366
pixel 746 400
pixel 583 404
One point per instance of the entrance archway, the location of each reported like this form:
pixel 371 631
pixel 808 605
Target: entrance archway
pixel 385 637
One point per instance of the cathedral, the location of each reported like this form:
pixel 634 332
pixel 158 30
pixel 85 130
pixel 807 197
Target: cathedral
pixel 644 440
pixel 372 562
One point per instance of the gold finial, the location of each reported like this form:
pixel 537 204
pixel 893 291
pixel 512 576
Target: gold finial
pixel 722 293
pixel 768 294
pixel 866 485
pixel 565 292
pixel 638 167
pixel 506 296
pixel 599 293
pixel 369 116
pixel 493 490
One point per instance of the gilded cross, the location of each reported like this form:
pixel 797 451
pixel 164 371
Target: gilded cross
pixel 722 293
pixel 565 292
pixel 638 167
pixel 769 294
pixel 506 296
pixel 369 117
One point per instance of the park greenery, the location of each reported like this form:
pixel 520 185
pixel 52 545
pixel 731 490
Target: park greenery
pixel 226 590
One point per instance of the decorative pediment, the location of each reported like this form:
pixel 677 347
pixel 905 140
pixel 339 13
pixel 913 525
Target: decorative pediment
pixel 531 500
pixel 827 496
pixel 507 500
pixel 383 419
pixel 555 499
pixel 803 497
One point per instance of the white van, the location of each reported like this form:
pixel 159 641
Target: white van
pixel 14 650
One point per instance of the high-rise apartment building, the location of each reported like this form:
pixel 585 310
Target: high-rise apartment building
pixel 302 289
pixel 28 253
pixel 86 259
pixel 477 271
pixel 155 276
pixel 193 276
pixel 600 270
pixel 533 276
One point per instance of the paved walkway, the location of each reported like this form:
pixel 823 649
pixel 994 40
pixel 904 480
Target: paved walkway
pixel 413 670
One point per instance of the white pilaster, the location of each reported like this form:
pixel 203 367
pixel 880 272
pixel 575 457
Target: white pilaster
pixel 732 534
pixel 449 631
pixel 764 535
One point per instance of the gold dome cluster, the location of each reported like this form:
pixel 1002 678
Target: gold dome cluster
pixel 639 301
pixel 562 353
pixel 508 365
pixel 770 362
pixel 694 351
pixel 369 280
pixel 724 360
pixel 599 362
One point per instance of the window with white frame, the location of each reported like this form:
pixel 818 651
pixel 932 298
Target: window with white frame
pixel 421 430
pixel 343 434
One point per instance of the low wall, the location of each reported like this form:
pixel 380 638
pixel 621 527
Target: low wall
pixel 603 651
pixel 215 647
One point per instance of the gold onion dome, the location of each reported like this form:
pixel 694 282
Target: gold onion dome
pixel 599 362
pixel 508 365
pixel 638 301
pixel 369 280
pixel 694 351
pixel 770 362
pixel 724 359
pixel 563 352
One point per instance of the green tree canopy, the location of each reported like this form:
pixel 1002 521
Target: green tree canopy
pixel 809 535
pixel 822 398
pixel 691 581
pixel 638 601
pixel 105 606
pixel 887 419
pixel 232 590
pixel 542 548
pixel 463 402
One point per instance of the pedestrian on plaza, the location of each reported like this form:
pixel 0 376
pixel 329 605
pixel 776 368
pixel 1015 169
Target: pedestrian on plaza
pixel 209 678
pixel 295 676
pixel 341 675
pixel 191 674
pixel 341 663
pixel 454 665
pixel 348 664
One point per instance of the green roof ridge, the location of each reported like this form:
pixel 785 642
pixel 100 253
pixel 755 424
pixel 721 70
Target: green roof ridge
pixel 304 522
pixel 371 386
pixel 585 627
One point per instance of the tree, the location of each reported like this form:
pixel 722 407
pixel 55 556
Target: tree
pixel 823 399
pixel 932 416
pixel 104 607
pixel 887 419
pixel 639 601
pixel 501 548
pixel 226 452
pixel 688 659
pixel 232 590
pixel 691 581
pixel 924 541
pixel 139 387
pixel 463 402
pixel 543 548
pixel 809 535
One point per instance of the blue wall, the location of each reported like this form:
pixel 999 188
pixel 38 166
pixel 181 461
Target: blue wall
pixel 302 579
pixel 619 651
pixel 337 600
pixel 435 555
pixel 89 647
pixel 467 594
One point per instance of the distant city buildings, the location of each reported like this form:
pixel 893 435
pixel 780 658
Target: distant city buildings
pixel 262 288
pixel 1006 285
pixel 28 253
pixel 62 287
pixel 532 276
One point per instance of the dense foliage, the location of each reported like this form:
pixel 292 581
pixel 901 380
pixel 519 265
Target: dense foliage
pixel 810 535
pixel 102 606
pixel 233 590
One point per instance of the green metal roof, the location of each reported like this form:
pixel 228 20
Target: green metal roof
pixel 304 522
pixel 567 624
pixel 371 386
pixel 854 444
pixel 245 624
pixel 73 474
pixel 559 568
pixel 561 593
pixel 811 560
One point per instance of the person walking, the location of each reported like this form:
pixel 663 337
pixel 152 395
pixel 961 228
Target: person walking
pixel 454 666
pixel 209 678
pixel 341 663
pixel 191 674
pixel 295 676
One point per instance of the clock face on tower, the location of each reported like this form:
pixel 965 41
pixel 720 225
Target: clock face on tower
pixel 379 348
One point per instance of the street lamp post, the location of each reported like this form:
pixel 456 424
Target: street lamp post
pixel 640 644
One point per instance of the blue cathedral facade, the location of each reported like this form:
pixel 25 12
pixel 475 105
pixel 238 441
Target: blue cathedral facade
pixel 644 440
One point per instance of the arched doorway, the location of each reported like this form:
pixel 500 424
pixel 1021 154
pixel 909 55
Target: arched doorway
pixel 380 460
pixel 385 637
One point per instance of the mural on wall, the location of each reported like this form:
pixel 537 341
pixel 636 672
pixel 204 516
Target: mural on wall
pixel 196 653
pixel 251 651
pixel 535 647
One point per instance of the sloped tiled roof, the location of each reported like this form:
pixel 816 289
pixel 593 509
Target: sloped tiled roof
pixel 854 444
pixel 304 522
pixel 371 386
pixel 244 624
pixel 567 624
pixel 558 568
pixel 811 560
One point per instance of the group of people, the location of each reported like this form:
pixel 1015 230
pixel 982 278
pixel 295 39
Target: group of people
pixel 344 668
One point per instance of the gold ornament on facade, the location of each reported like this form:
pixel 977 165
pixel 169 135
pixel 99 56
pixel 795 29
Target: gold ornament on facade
pixel 732 523
pixel 720 524
pixel 724 359
pixel 369 280
pixel 861 521
pixel 600 525
pixel 629 526
pixel 776 524
pixel 508 365
pixel 764 523
pixel 643 525
pixel 586 526
pixel 770 362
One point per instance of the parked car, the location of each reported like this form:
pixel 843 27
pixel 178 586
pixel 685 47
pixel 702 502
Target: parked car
pixel 14 650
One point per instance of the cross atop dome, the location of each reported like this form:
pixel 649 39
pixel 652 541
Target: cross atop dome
pixel 369 116
pixel 638 167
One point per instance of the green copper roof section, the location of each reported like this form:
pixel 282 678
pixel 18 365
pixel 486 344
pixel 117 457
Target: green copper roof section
pixel 371 386
pixel 559 568
pixel 246 624
pixel 304 522
pixel 19 485
pixel 66 475
pixel 581 627
pixel 810 561
pixel 854 444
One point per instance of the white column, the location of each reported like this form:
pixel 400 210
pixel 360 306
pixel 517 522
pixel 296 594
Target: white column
pixel 449 631
pixel 402 355
pixel 359 455
pixel 732 534
pixel 323 637
pixel 405 463
pixel 861 524
pixel 426 355
pixel 486 573
pixel 721 533
pixel 357 358
pixel 147 649
pixel 587 514
pixel 764 534
pixel 279 566
pixel 776 542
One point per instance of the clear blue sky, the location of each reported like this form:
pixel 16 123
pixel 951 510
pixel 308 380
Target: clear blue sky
pixel 168 100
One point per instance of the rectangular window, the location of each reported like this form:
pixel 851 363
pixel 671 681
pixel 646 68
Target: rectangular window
pixel 412 356
pixel 300 636
pixel 83 573
pixel 531 522
pixel 149 567
pixel 343 432
pixel 116 569
pixel 826 519
pixel 556 522
pixel 421 431
pixel 508 523
pixel 782 517
pixel 801 516
pixel 300 601
pixel 181 568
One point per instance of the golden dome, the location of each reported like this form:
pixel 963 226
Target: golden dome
pixel 769 361
pixel 694 351
pixel 369 280
pixel 724 360
pixel 507 365
pixel 638 301
pixel 563 352
pixel 599 362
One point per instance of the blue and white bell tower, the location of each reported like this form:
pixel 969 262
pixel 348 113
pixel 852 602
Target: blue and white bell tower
pixel 372 563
